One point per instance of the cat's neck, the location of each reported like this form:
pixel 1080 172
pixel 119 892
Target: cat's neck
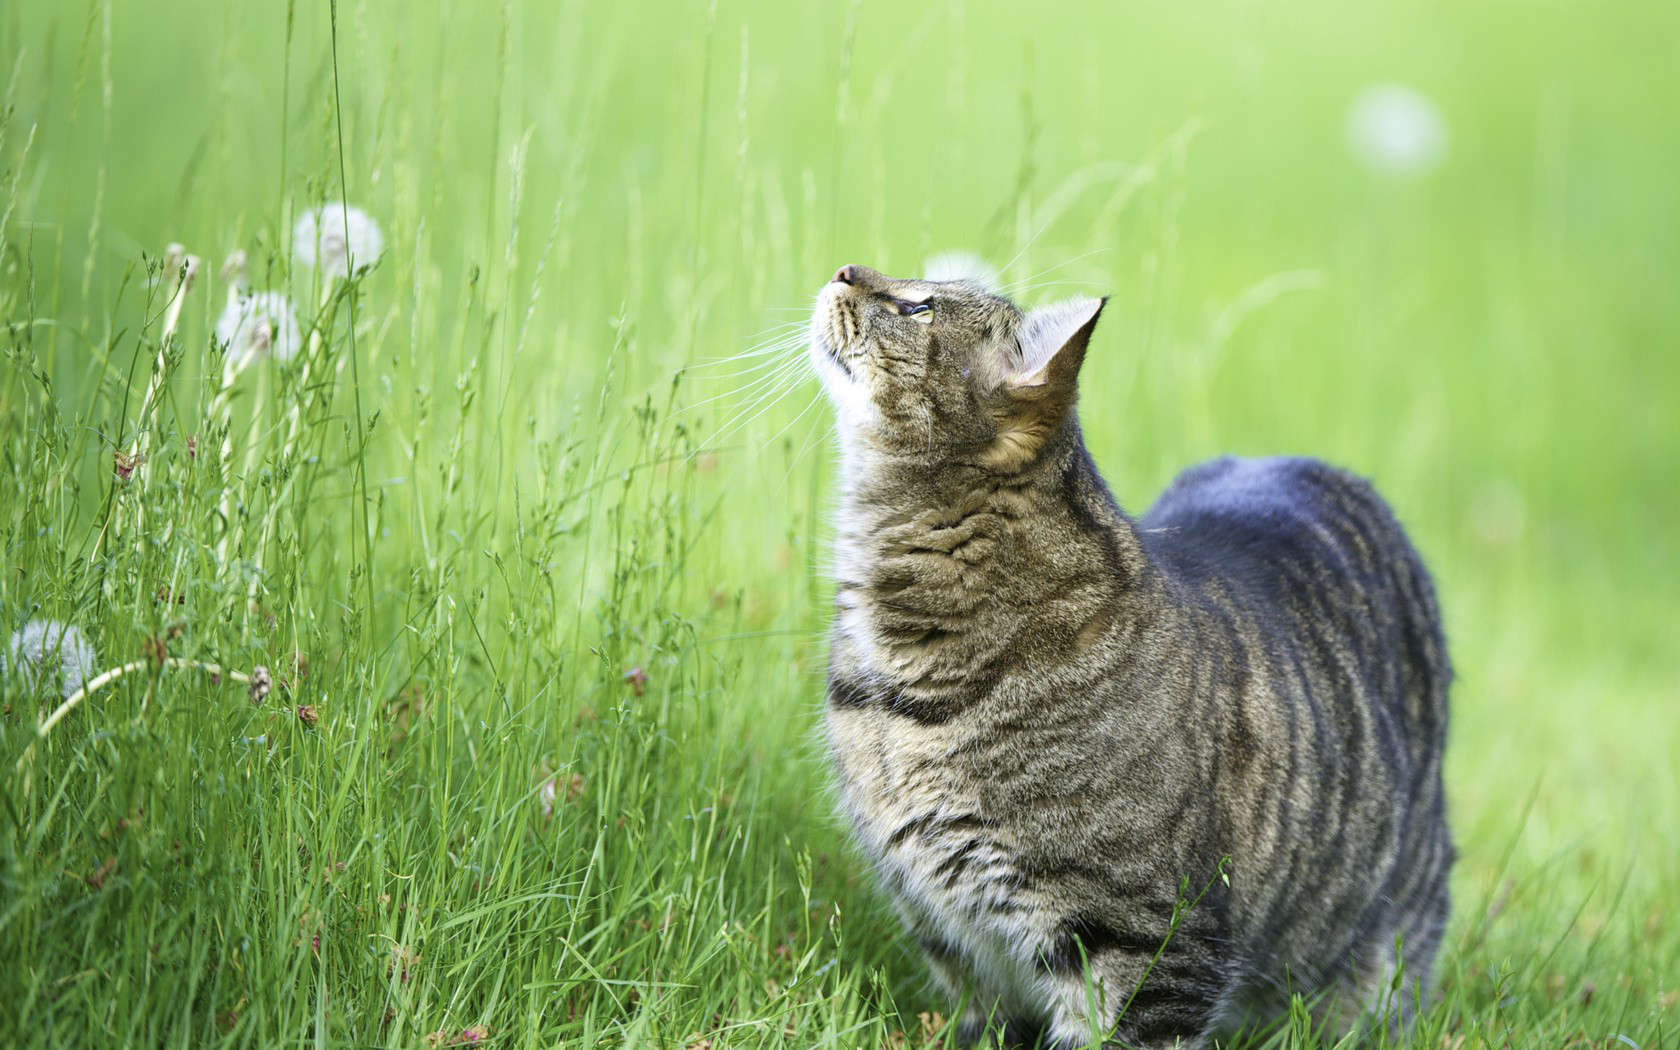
pixel 880 491
pixel 949 576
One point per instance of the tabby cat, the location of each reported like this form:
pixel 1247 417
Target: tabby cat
pixel 1054 725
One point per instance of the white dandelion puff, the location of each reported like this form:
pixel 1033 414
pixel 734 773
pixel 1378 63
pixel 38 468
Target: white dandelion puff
pixel 961 266
pixel 46 652
pixel 1394 129
pixel 177 266
pixel 233 268
pixel 337 238
pixel 258 325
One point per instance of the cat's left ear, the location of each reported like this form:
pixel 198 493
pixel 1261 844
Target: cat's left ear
pixel 1053 340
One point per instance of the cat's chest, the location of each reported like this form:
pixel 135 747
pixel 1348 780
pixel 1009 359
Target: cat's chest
pixel 923 813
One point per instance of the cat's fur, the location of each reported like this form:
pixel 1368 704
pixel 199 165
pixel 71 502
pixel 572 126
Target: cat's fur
pixel 1049 719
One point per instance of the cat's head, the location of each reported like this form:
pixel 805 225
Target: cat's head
pixel 946 370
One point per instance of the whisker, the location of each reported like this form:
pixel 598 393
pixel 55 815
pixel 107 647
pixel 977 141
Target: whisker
pixel 810 432
pixel 770 379
pixel 1014 285
pixel 1025 289
pixel 1024 248
pixel 780 357
pixel 736 425
pixel 780 341
pixel 802 413
pixel 769 341
pixel 769 387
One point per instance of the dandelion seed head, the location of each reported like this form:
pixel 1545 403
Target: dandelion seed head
pixel 545 797
pixel 258 325
pixel 45 652
pixel 1396 130
pixel 961 266
pixel 178 265
pixel 233 267
pixel 338 239
pixel 261 684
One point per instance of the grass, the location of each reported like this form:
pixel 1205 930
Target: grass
pixel 523 535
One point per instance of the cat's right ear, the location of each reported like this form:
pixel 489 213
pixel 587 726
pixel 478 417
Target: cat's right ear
pixel 1041 389
pixel 1053 341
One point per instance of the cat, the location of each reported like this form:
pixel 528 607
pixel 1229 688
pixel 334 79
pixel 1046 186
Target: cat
pixel 1054 726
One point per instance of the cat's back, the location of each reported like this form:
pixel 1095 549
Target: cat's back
pixel 1311 559
pixel 1275 524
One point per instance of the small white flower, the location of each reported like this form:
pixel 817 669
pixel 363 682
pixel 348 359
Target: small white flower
pixel 252 326
pixel 337 238
pixel 545 797
pixel 1393 129
pixel 961 266
pixel 46 652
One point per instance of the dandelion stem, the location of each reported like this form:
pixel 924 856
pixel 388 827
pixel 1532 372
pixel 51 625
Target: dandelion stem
pixel 106 678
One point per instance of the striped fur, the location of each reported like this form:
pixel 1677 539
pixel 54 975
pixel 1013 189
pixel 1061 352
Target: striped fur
pixel 1047 717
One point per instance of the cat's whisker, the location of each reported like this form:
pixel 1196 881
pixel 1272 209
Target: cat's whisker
pixel 762 407
pixel 781 357
pixel 1015 287
pixel 767 387
pixel 1041 285
pixel 778 370
pixel 773 340
pixel 816 396
pixel 1062 264
pixel 1006 267
pixel 810 432
pixel 755 359
pixel 776 344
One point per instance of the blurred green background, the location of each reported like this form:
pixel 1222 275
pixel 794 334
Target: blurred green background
pixel 586 206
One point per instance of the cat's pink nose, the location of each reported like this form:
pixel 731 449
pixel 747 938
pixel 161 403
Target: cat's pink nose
pixel 845 275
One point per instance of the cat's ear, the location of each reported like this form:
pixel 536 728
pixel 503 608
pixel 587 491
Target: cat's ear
pixel 1053 340
pixel 1041 390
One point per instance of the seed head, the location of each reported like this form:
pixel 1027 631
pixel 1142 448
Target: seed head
pixel 178 264
pixel 337 238
pixel 308 715
pixel 252 326
pixel 233 267
pixel 1397 131
pixel 262 683
pixel 46 652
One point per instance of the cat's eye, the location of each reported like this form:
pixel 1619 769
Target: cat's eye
pixel 922 312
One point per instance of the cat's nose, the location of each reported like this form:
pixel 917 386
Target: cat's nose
pixel 845 275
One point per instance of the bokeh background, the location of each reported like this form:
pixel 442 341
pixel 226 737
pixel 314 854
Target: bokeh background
pixel 559 521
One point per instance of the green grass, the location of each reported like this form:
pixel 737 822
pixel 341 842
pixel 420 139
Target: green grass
pixel 517 489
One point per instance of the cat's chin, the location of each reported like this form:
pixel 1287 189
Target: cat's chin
pixel 826 359
pixel 846 390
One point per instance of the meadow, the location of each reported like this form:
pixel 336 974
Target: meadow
pixel 528 531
